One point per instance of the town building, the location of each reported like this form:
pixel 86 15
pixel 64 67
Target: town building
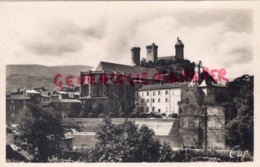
pixel 15 103
pixel 66 107
pixel 161 98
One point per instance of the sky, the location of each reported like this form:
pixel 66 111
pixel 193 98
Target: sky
pixel 86 33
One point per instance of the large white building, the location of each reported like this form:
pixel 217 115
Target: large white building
pixel 162 98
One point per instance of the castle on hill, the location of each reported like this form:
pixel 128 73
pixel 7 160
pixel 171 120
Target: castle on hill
pixel 152 53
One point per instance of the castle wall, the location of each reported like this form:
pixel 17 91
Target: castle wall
pixel 201 125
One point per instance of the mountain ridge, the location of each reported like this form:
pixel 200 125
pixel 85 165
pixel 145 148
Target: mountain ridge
pixel 32 75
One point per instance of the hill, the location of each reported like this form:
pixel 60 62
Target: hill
pixel 33 76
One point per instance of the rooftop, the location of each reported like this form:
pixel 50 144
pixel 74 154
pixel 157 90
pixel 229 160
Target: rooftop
pixel 163 86
pixel 66 101
pixel 134 70
pixel 179 42
pixel 31 92
pixel 18 97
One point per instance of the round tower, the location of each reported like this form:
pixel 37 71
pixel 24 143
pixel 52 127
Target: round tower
pixel 179 52
pixel 135 56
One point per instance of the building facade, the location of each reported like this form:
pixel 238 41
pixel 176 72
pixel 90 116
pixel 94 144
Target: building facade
pixel 161 98
pixel 15 104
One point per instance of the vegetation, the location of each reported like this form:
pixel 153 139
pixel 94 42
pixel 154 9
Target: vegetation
pixel 126 142
pixel 240 129
pixel 179 70
pixel 42 131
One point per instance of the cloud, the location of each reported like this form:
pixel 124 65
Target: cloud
pixel 54 47
pixel 63 38
pixel 89 33
pixel 66 28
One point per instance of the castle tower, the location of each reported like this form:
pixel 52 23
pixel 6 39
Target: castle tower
pixel 152 53
pixel 135 51
pixel 179 49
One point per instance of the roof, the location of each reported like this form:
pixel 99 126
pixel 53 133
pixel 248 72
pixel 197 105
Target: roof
pixel 66 101
pixel 134 70
pixel 179 42
pixel 163 86
pixel 204 84
pixel 44 95
pixel 31 92
pixel 19 97
pixel 76 93
pixel 219 85
pixel 61 92
pixel 152 45
pixel 92 98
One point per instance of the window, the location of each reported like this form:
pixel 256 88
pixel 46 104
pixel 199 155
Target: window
pixel 147 100
pixel 159 100
pixel 187 101
pixel 147 109
pixel 153 93
pixel 166 92
pixel 153 108
pixel 14 107
pixel 147 93
pixel 159 93
pixel 152 100
pixel 142 100
pixel 159 110
pixel 11 107
pixel 166 99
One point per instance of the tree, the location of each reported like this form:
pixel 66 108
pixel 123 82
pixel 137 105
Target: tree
pixel 97 108
pixel 42 131
pixel 125 142
pixel 143 62
pixel 146 64
pixel 167 154
pixel 240 129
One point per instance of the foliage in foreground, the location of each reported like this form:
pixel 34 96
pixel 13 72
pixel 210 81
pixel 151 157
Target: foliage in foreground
pixel 41 131
pixel 126 142
pixel 240 130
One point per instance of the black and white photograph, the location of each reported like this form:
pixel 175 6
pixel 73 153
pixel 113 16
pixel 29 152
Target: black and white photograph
pixel 128 82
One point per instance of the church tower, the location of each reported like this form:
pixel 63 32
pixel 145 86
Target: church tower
pixel 179 49
pixel 152 52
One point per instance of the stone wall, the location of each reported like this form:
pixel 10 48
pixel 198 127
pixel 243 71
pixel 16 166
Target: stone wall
pixel 165 129
pixel 201 124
